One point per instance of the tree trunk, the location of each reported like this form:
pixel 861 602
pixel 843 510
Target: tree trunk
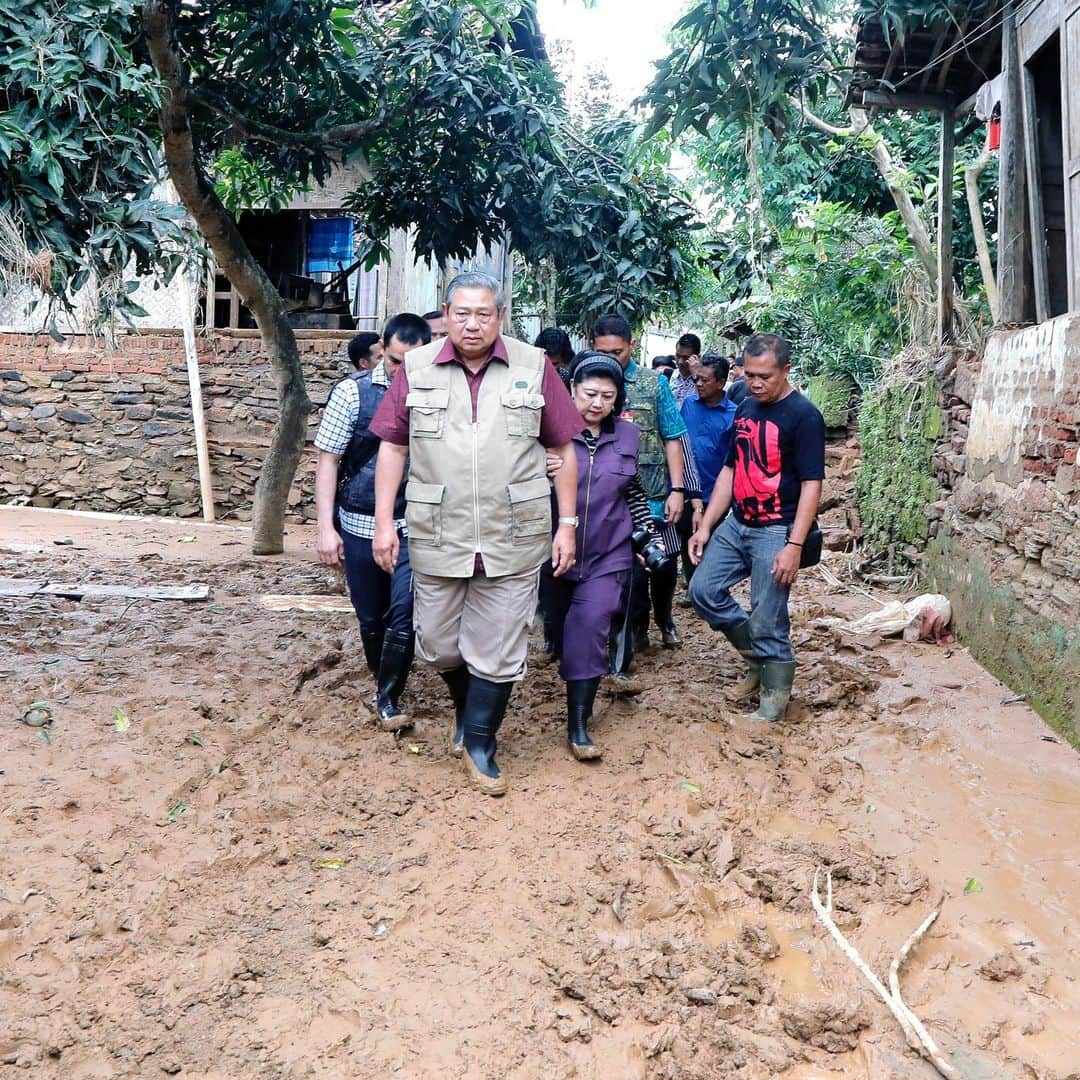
pixel 893 175
pixel 986 264
pixel 248 278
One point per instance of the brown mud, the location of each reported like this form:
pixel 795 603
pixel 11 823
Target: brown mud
pixel 252 881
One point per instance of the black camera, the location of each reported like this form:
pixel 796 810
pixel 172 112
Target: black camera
pixel 650 548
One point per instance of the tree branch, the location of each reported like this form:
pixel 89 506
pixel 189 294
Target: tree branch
pixel 246 275
pixel 337 137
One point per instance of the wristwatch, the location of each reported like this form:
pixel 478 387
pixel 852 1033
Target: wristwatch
pixel 569 521
pixel 678 490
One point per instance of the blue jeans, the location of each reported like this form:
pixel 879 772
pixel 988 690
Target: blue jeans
pixel 734 553
pixel 382 601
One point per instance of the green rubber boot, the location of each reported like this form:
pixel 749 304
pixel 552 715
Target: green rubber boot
pixel 739 636
pixel 777 677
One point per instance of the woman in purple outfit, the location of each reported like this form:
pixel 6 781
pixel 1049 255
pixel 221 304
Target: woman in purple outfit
pixel 611 509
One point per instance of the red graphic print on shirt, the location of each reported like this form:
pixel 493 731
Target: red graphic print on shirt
pixel 757 470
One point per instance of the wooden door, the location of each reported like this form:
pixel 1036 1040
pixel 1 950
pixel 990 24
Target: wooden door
pixel 1070 122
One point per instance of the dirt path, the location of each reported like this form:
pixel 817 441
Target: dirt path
pixel 251 881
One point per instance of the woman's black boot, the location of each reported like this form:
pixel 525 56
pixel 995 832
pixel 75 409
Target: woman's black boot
pixel 580 695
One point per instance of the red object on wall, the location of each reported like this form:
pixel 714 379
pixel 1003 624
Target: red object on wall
pixel 993 134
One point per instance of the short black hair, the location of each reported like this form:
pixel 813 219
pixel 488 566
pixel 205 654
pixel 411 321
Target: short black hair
pixel 555 342
pixel 438 313
pixel 360 348
pixel 408 328
pixel 663 361
pixel 719 365
pixel 760 344
pixel 612 326
pixel 691 342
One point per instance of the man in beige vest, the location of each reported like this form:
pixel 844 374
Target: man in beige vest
pixel 472 416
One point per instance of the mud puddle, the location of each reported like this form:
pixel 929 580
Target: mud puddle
pixel 249 880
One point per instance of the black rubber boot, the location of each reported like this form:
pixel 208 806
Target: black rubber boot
pixel 485 708
pixel 580 695
pixel 397 657
pixel 373 643
pixel 457 682
pixel 662 584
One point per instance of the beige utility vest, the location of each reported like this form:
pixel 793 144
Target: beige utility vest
pixel 483 487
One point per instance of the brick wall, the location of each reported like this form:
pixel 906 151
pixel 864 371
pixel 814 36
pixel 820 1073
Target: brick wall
pixel 90 427
pixel 1008 521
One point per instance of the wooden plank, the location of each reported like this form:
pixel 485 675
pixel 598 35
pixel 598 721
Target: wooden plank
pixel 1070 130
pixel 884 99
pixel 946 67
pixel 1035 23
pixel 78 590
pixel 946 163
pixel 935 52
pixel 300 602
pixel 1012 215
pixel 1033 174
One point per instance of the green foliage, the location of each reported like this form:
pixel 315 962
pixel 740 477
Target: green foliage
pixel 78 162
pixel 464 138
pixel 832 291
pixel 741 60
pixel 899 425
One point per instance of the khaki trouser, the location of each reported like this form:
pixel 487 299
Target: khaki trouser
pixel 481 622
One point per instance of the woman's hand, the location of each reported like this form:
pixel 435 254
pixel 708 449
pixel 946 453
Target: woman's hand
pixel 563 549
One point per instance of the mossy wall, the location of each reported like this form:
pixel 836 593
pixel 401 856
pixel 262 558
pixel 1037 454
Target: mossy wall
pixel 1031 654
pixel 833 397
pixel 899 426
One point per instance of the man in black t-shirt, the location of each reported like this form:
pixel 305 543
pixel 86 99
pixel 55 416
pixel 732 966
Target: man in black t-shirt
pixel 772 482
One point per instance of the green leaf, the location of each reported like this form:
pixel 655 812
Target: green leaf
pixel 121 722
pixel 178 809
pixel 973 885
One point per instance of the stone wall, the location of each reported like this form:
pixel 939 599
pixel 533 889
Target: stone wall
pixel 1007 547
pixel 95 428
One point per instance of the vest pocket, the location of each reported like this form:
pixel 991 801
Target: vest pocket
pixel 530 509
pixel 522 412
pixel 427 412
pixel 423 512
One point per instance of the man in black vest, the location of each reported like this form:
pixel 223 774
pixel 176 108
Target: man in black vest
pixel 345 486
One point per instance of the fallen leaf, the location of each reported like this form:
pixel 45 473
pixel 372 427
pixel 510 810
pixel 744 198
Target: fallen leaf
pixel 43 735
pixel 687 786
pixel 414 749
pixel 329 864
pixel 175 812
pixel 973 885
pixel 121 721
pixel 870 808
pixel 194 739
pixel 186 539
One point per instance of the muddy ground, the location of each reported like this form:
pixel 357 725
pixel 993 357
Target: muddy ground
pixel 252 881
